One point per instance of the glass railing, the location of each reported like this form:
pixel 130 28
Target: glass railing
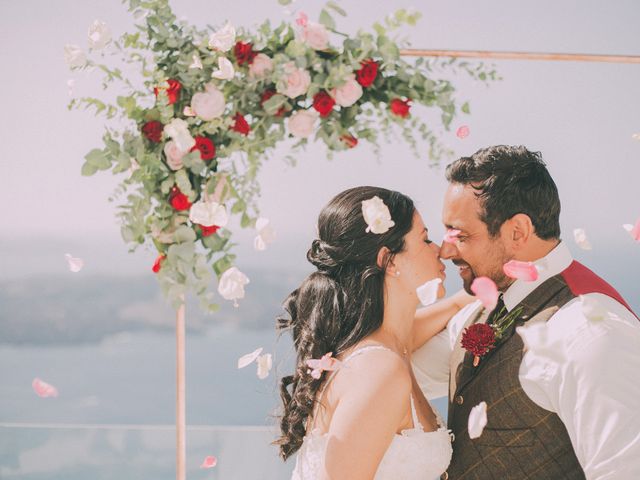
pixel 136 452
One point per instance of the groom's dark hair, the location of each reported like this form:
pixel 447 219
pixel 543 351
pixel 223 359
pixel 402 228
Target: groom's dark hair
pixel 510 180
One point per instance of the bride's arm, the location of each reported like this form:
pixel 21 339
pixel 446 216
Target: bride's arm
pixel 373 401
pixel 431 320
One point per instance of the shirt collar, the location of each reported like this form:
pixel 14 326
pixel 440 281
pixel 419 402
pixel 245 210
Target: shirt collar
pixel 556 261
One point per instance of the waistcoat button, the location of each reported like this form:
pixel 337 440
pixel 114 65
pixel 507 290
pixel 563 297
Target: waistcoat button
pixel 444 476
pixel 459 400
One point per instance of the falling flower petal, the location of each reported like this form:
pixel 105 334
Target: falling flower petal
pixel 463 132
pixel 477 420
pixel 634 230
pixel 581 239
pixel 75 264
pixel 326 363
pixel 264 365
pixel 636 136
pixel 225 69
pixel 593 309
pixel 209 462
pixel 231 285
pixel 266 234
pixel 43 389
pixel 485 289
pixel 428 292
pixel 526 271
pixel 451 235
pixel 247 359
pixel 196 62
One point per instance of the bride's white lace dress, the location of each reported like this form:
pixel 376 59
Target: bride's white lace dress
pixel 412 455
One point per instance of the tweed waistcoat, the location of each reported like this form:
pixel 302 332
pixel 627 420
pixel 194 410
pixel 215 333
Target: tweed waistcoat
pixel 521 439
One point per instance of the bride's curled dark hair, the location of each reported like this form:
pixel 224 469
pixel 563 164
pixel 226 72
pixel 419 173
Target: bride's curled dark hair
pixel 342 302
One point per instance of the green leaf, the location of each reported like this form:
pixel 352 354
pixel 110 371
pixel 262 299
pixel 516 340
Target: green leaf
pixel 245 220
pixel 465 107
pixel 88 169
pixel 327 20
pixel 239 206
pixel 184 234
pixel 336 8
pixel 285 2
pixel 272 105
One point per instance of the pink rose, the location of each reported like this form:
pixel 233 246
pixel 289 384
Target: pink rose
pixel 260 66
pixel 174 155
pixel 315 35
pixel 301 123
pixel 209 104
pixel 349 93
pixel 296 81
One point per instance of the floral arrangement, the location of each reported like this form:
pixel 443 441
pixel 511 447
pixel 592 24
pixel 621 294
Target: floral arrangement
pixel 204 109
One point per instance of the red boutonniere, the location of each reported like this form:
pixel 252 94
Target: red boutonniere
pixel 480 338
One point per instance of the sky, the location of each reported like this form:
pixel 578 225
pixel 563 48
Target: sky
pixel 580 115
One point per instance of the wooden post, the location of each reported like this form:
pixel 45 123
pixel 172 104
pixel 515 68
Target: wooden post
pixel 180 395
pixel 576 57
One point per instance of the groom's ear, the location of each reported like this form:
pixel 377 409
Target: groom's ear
pixel 521 229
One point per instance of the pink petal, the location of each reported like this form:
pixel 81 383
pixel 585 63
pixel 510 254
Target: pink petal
pixel 526 271
pixel 302 19
pixel 451 235
pixel 75 264
pixel 485 289
pixel 463 132
pixel 43 389
pixel 316 373
pixel 209 462
pixel 634 230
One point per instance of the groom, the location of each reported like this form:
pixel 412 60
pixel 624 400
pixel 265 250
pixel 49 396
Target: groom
pixel 563 390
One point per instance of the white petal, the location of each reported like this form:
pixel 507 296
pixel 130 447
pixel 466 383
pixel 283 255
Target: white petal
pixel 247 359
pixel 477 420
pixel 226 70
pixel 628 227
pixel 259 244
pixel 264 365
pixel 428 292
pixel 196 62
pixel 581 239
pixel 75 264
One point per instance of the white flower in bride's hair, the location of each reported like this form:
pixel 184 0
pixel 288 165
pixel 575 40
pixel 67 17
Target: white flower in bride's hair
pixel 231 285
pixel 477 420
pixel 74 56
pixel 223 39
pixel 99 35
pixel 208 214
pixel 376 215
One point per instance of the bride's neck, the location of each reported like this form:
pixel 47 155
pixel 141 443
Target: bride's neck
pixel 397 324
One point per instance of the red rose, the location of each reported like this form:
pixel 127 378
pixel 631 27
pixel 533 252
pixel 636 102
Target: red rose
pixel 349 140
pixel 244 53
pixel 179 200
pixel 158 263
pixel 240 125
pixel 173 91
pixel 206 147
pixel 266 95
pixel 323 103
pixel 206 231
pixel 153 131
pixel 478 339
pixel 400 108
pixel 367 73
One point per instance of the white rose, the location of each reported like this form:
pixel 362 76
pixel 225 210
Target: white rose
pixel 209 104
pixel 266 234
pixel 174 155
pixel 315 35
pixel 301 123
pixel 225 69
pixel 231 285
pixel 376 215
pixel 296 81
pixel 99 35
pixel 223 39
pixel 208 214
pixel 178 131
pixel 74 56
pixel 349 93
pixel 260 66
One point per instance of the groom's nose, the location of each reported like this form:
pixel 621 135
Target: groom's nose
pixel 448 251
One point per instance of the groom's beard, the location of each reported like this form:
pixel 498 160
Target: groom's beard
pixel 468 274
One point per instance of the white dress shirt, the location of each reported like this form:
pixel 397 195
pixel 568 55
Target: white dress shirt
pixel 583 364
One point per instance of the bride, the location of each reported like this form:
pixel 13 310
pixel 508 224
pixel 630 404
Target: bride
pixel 358 413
